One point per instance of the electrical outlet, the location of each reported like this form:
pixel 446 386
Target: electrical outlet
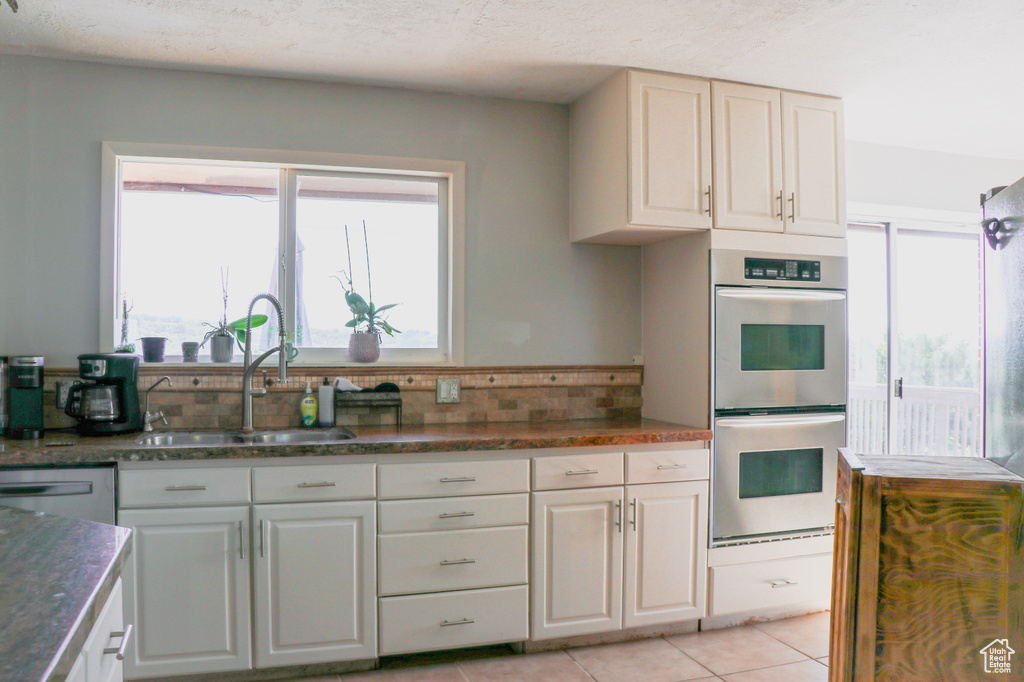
pixel 449 390
pixel 61 391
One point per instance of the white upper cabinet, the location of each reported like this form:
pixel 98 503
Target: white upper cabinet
pixel 813 165
pixel 778 161
pixel 640 159
pixel 748 157
pixel 669 151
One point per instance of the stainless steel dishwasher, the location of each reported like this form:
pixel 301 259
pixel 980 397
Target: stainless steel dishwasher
pixel 79 492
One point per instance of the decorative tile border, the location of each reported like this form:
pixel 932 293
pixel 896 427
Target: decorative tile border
pixel 210 397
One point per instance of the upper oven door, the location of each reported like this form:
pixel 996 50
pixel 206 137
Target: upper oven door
pixel 779 347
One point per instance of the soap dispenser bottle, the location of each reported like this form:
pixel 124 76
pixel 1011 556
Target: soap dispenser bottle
pixel 309 407
pixel 325 415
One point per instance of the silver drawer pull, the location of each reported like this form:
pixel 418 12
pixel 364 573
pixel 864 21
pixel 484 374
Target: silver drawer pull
pixel 455 515
pixel 181 488
pixel 464 621
pixel 662 467
pixel 456 562
pixel 581 472
pixel 322 484
pixel 119 650
pixel 460 479
pixel 783 583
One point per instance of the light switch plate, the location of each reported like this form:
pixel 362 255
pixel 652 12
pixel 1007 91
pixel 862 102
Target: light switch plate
pixel 449 390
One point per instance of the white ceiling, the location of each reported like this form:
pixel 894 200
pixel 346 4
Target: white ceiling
pixel 945 75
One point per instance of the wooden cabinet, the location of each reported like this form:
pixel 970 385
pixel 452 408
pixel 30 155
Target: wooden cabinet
pixel 313 563
pixel 928 564
pixel 779 164
pixel 612 557
pixel 640 159
pixel 187 590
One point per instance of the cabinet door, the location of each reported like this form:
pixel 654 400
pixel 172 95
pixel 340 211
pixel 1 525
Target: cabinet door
pixel 813 165
pixel 748 157
pixel 669 151
pixel 187 591
pixel 576 581
pixel 666 553
pixel 315 591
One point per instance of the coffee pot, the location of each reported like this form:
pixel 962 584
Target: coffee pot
pixel 108 402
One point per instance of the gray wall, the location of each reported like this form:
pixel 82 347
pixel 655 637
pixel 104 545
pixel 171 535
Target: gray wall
pixel 531 297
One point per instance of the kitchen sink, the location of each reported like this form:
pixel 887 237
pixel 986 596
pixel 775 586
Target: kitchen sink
pixel 302 436
pixel 168 439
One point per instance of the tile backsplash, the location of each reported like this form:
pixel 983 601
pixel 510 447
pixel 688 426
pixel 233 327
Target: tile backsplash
pixel 204 397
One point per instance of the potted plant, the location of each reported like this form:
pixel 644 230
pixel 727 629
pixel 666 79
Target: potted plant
pixel 367 322
pixel 226 334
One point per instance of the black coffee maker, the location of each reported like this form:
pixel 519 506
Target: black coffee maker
pixel 108 403
pixel 25 398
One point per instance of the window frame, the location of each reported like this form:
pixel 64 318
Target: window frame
pixel 451 342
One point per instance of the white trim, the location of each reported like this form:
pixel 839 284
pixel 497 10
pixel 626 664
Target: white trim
pixel 454 171
pixel 912 217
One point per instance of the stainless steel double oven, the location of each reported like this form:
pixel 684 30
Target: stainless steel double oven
pixel 779 393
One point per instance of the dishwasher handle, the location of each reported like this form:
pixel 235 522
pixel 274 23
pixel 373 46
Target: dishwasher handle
pixel 45 488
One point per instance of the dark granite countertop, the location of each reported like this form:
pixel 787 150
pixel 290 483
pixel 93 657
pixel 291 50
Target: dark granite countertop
pixel 55 576
pixel 69 448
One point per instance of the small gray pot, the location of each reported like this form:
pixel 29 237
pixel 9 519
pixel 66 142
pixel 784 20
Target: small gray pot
pixel 222 348
pixel 363 347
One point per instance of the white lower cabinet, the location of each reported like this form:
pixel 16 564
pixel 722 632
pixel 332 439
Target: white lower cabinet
pixel 188 590
pixel 624 556
pixel 98 661
pixel 314 566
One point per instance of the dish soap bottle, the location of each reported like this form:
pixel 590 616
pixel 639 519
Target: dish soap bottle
pixel 309 407
pixel 325 417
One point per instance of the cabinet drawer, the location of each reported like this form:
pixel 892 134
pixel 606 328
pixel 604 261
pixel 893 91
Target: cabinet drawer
pixel 452 560
pixel 577 471
pixel 453 513
pixel 313 482
pixel 182 487
pixel 453 619
pixel 763 584
pixel 439 479
pixel 670 465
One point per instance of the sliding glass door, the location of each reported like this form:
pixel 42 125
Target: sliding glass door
pixel 915 339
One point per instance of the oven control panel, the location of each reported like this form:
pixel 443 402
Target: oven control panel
pixel 782 269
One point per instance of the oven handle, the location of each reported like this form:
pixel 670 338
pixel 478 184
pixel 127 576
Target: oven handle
pixel 782 294
pixel 796 420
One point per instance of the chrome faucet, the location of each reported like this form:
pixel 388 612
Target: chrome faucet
pixel 149 417
pixel 250 365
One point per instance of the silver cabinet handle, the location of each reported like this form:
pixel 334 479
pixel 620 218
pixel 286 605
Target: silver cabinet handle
pixel 618 515
pixel 262 541
pixel 779 214
pixel 456 562
pixel 241 542
pixel 463 621
pixel 459 479
pixel 662 467
pixel 322 484
pixel 118 651
pixel 581 472
pixel 839 499
pixel 180 488
pixel 45 488
pixel 455 515
pixel 783 583
pixel 708 195
pixel 633 505
pixel 792 206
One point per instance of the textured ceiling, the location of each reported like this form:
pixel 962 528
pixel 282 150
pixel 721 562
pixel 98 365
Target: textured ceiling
pixel 933 74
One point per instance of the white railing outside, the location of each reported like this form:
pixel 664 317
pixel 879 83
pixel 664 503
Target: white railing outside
pixel 931 421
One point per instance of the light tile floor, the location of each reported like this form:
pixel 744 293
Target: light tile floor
pixel 790 650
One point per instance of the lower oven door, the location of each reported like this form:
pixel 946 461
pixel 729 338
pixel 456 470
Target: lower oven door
pixel 774 475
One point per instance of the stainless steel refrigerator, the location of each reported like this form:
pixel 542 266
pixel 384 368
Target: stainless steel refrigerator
pixel 1003 227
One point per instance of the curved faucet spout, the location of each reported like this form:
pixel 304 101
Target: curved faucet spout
pixel 249 365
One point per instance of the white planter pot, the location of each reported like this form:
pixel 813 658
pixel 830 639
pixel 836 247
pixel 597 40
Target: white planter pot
pixel 222 348
pixel 363 347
